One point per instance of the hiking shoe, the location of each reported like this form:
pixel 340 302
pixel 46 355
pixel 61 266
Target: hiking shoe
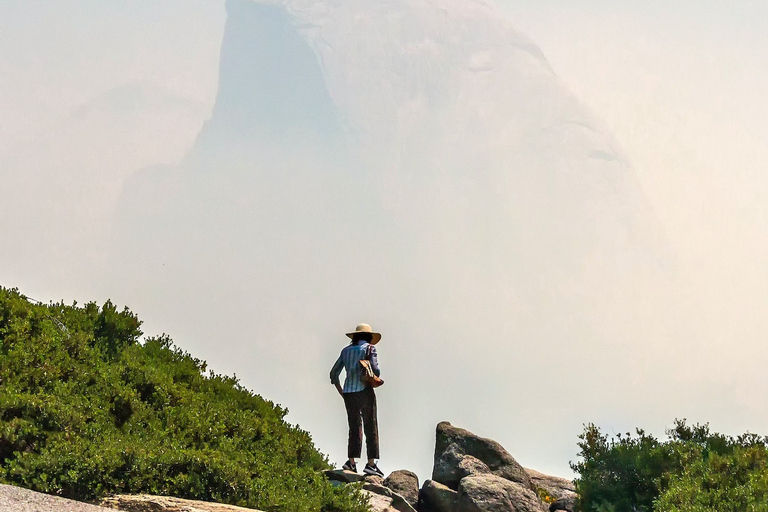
pixel 373 470
pixel 350 466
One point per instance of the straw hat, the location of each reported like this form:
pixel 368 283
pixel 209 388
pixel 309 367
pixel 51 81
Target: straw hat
pixel 375 337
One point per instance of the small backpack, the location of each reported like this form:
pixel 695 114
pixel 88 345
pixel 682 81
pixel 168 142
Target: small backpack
pixel 369 378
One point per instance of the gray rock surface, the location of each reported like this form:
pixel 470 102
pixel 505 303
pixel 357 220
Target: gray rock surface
pixel 453 465
pixel 150 503
pixel 406 484
pixel 554 485
pixel 378 502
pixel 398 502
pixel 446 467
pixel 453 443
pixel 16 499
pixel 492 493
pixel 436 497
pixel 347 477
pixel 470 465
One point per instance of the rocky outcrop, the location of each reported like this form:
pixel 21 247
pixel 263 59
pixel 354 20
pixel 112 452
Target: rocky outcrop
pixel 382 496
pixel 149 503
pixel 470 474
pixel 460 453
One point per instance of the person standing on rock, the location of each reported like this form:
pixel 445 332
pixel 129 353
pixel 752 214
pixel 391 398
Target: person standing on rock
pixel 359 398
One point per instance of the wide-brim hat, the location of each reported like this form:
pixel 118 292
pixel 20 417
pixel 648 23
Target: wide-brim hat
pixel 375 337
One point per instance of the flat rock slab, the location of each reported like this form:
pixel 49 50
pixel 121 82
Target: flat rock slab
pixel 16 499
pixel 347 477
pixel 149 503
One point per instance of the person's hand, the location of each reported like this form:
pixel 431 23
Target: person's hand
pixel 341 391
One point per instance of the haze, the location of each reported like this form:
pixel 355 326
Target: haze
pixel 515 299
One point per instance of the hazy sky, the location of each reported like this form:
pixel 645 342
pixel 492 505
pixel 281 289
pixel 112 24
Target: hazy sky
pixel 680 85
pixel 91 91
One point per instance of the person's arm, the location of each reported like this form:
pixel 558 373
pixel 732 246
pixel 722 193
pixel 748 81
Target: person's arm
pixel 375 362
pixel 335 372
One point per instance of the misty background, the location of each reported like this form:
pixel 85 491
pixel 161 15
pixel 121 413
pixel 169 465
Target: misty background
pixel 568 228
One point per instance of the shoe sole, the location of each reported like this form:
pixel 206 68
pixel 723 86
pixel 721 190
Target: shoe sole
pixel 374 473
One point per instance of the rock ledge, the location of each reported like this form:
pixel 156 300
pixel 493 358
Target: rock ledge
pixel 149 503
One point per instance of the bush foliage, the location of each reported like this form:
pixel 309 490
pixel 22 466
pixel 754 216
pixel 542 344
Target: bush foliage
pixel 87 409
pixel 693 470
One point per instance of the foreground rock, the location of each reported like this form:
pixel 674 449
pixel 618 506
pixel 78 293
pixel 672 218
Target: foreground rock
pixel 491 493
pixel 16 499
pixel 397 502
pixel 460 453
pixel 406 484
pixel 436 497
pixel 149 503
pixel 382 499
pixel 378 502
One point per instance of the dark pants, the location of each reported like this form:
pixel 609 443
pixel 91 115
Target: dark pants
pixel 361 411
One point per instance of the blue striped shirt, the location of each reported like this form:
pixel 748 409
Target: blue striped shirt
pixel 349 360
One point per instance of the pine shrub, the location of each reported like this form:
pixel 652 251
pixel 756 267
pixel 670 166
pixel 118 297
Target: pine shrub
pixel 87 410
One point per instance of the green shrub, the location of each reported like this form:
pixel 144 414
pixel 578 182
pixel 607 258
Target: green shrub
pixel 694 470
pixel 622 473
pixel 88 410
pixel 737 482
